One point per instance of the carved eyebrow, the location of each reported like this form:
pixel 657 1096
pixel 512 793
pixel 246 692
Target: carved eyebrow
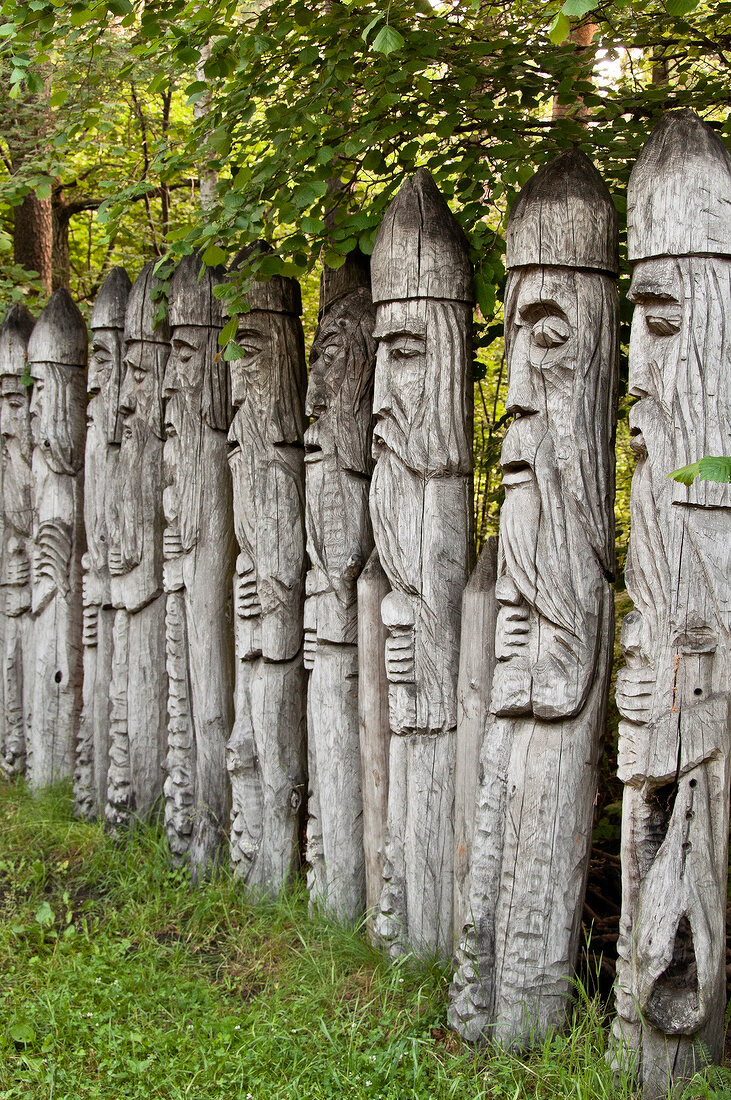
pixel 180 341
pixel 416 329
pixel 650 290
pixel 545 307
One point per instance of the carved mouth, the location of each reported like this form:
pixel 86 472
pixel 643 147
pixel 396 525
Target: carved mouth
pixel 170 430
pixel 313 452
pixel 516 473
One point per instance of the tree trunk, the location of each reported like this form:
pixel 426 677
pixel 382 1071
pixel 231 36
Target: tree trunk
pixel 33 237
pixel 61 267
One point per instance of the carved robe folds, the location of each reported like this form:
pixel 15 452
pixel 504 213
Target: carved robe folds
pixel 16 655
pixel 554 632
pixel 57 352
pixel 103 435
pixel 674 693
pixel 198 550
pixel 266 750
pixel 339 541
pixel 138 692
pixel 421 511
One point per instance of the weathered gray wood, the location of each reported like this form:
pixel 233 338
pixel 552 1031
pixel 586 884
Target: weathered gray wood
pixel 674 693
pixel 198 548
pixel 267 747
pixel 554 631
pixel 16 634
pixel 375 730
pixel 57 352
pixel 476 667
pixel 421 510
pixel 138 714
pixel 338 466
pixel 103 436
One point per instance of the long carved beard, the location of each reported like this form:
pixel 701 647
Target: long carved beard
pixel 397 506
pixel 184 475
pixel 16 487
pixel 130 474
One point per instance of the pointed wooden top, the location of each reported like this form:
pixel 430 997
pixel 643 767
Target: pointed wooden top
pixel 679 197
pixel 59 335
pixel 111 301
pixel 335 283
pixel 420 250
pixel 191 300
pixel 14 336
pixel 564 217
pixel 276 295
pixel 139 318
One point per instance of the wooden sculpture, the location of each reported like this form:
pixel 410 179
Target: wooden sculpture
pixel 421 510
pixel 338 467
pixel 16 655
pixel 266 750
pixel 198 551
pixel 674 693
pixel 57 352
pixel 103 436
pixel 138 694
pixel 554 633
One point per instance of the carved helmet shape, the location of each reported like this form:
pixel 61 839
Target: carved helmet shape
pixel 191 300
pixel 59 335
pixel 276 295
pixel 564 217
pixel 14 336
pixel 111 301
pixel 335 283
pixel 420 250
pixel 679 196
pixel 141 309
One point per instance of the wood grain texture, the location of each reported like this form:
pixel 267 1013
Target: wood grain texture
pixel 421 511
pixel 266 752
pixel 16 635
pixel 373 718
pixel 198 548
pixel 135 521
pixel 338 466
pixel 103 436
pixel 476 667
pixel 553 646
pixel 57 352
pixel 674 693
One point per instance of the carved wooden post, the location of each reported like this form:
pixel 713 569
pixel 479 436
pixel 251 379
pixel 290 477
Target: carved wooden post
pixel 17 548
pixel 103 435
pixel 674 692
pixel 138 691
pixel 57 352
pixel 266 750
pixel 421 510
pixel 198 551
pixel 554 635
pixel 476 668
pixel 338 466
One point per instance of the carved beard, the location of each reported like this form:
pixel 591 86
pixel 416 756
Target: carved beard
pixel 397 507
pixel 130 518
pixel 16 486
pixel 184 471
pixel 59 429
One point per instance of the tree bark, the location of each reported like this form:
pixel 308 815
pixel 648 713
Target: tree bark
pixel 33 237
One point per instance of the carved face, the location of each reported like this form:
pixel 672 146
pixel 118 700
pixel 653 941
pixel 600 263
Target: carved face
pixel 420 392
pixel 340 390
pixel 268 381
pixel 57 415
pixel 16 451
pixel 103 382
pixel 141 393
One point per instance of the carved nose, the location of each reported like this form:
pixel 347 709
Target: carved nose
pixel 521 400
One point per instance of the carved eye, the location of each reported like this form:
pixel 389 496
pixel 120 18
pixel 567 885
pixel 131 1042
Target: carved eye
pixel 663 325
pixel 138 374
pixel 550 332
pixel 101 355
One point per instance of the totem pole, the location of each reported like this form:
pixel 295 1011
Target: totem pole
pixel 57 352
pixel 674 693
pixel 421 510
pixel 266 750
pixel 338 467
pixel 17 548
pixel 198 549
pixel 103 435
pixel 138 694
pixel 554 632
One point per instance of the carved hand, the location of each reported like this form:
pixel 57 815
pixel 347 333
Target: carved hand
pixel 18 570
pixel 635 686
pixel 247 597
pixel 52 555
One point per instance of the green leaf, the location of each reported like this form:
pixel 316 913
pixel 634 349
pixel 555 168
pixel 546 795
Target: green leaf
pixel 213 256
pixel 58 98
pixel 559 30
pixel 680 7
pixel 710 468
pixel 44 914
pixel 575 9
pixel 376 19
pixel 387 41
pixel 228 331
pixel 43 190
pixel 22 1032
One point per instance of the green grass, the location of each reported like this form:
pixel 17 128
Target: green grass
pixel 120 980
